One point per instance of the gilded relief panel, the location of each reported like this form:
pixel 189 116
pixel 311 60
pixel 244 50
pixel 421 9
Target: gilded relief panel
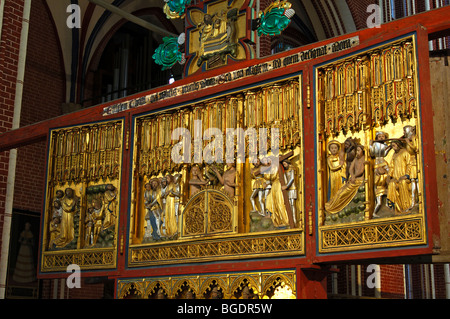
pixel 370 169
pixel 217 34
pixel 249 285
pixel 82 204
pixel 209 177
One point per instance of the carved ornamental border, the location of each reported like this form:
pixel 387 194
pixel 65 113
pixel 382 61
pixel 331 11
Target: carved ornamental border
pixel 262 245
pixel 372 235
pixel 96 259
pixel 262 285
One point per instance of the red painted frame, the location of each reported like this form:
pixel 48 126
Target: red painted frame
pixel 427 25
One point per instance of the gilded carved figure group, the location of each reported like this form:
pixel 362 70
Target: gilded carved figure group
pixel 162 205
pixel 266 186
pixel 78 221
pixel 369 150
pixel 83 200
pixel 166 197
pixel 101 215
pixel 65 206
pixel 218 193
pixel 394 181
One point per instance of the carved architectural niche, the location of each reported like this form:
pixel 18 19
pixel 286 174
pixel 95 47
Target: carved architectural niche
pixel 209 212
pixel 82 197
pixel 226 167
pixel 369 132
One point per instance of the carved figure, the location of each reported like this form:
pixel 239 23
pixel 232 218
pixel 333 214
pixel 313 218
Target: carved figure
pixel 70 205
pixel 217 35
pixel 266 163
pixel 59 195
pixel 399 184
pixel 246 293
pixel 160 294
pixel 228 179
pixel 189 295
pixel 258 187
pixel 110 206
pixel 289 178
pixel 176 194
pixel 216 293
pixel 348 154
pixel 196 181
pixel 97 216
pixel 171 199
pixel 57 210
pixel 412 147
pixel 89 227
pixel 346 193
pixel 56 221
pixel 336 168
pixel 164 182
pixel 152 197
pixel 379 149
pixel 275 199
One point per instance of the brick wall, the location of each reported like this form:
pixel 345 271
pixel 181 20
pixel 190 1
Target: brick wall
pixel 265 42
pixel 392 281
pixel 344 282
pixel 43 95
pixel 358 8
pixel 424 278
pixel 439 282
pixel 99 290
pixel 9 56
pixel 4 160
pixel 87 291
pixel 44 83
